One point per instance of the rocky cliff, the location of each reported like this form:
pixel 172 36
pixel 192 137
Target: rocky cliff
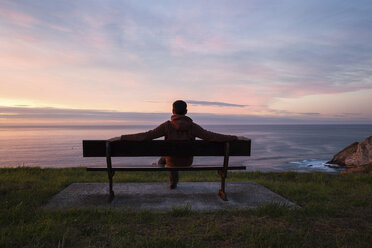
pixel 355 155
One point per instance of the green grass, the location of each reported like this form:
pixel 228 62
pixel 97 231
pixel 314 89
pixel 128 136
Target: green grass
pixel 336 212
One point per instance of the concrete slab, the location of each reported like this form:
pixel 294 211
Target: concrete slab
pixel 199 196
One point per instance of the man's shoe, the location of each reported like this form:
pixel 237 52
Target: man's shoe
pixel 161 163
pixel 173 179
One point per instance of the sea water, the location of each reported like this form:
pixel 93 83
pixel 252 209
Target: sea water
pixel 300 148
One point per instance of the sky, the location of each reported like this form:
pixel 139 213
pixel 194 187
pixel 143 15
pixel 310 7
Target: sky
pixel 233 62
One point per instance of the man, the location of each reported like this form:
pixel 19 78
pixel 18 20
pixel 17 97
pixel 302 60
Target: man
pixel 180 127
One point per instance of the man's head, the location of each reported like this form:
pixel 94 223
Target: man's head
pixel 179 107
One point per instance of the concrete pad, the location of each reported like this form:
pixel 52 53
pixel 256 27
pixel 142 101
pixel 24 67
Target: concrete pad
pixel 199 196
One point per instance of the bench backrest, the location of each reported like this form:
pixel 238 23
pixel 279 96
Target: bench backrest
pixel 97 148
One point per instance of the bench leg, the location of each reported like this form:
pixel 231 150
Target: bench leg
pixel 110 171
pixel 112 195
pixel 222 192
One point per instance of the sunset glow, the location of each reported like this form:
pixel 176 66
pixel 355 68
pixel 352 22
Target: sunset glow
pixel 83 62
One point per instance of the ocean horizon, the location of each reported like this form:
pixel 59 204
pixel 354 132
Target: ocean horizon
pixel 282 147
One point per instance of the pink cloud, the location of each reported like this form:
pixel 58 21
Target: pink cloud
pixel 58 28
pixel 18 18
pixel 180 45
pixel 27 37
pixel 299 89
pixel 95 40
pixel 22 52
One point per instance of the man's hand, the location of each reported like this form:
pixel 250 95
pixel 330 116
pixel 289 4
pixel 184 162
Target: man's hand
pixel 242 138
pixel 114 139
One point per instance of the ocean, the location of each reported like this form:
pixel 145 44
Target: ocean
pixel 301 148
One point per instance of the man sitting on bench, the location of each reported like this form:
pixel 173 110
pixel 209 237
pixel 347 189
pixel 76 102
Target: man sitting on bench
pixel 180 127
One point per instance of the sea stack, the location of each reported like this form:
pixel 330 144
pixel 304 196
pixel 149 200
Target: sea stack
pixel 355 155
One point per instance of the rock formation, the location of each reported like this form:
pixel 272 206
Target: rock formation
pixel 356 155
pixel 364 168
pixel 347 152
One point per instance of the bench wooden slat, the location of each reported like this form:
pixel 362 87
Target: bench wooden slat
pixel 156 168
pixel 153 148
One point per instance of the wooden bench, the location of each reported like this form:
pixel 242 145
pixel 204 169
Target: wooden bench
pixel 152 148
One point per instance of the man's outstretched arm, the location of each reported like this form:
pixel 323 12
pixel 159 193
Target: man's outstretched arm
pixel 149 135
pixel 201 133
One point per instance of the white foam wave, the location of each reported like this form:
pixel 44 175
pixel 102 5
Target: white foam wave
pixel 314 164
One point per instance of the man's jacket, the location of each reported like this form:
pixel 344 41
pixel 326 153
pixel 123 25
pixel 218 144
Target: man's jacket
pixel 180 127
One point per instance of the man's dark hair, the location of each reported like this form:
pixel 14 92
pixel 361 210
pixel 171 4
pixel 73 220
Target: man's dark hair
pixel 179 107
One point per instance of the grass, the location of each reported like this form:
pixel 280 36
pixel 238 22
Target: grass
pixel 336 212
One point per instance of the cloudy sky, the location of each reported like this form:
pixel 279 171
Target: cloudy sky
pixel 261 61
